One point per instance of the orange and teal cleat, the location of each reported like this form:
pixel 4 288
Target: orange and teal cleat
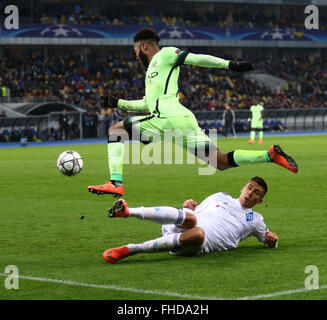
pixel 116 254
pixel 251 141
pixel 108 188
pixel 260 141
pixel 119 210
pixel 281 158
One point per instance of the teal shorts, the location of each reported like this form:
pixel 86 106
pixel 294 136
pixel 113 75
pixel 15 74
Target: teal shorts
pixel 183 131
pixel 257 125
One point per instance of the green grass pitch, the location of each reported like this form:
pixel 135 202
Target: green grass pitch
pixel 42 233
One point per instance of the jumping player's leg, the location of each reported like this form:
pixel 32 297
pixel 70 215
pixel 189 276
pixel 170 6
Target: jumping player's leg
pixel 117 135
pixel 205 149
pixel 116 151
pixel 238 158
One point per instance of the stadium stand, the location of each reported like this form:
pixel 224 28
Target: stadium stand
pixel 81 76
pixel 174 13
pixel 71 80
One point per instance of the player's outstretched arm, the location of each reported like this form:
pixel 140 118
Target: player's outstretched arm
pixel 208 61
pixel 132 105
pixel 190 204
pixel 205 60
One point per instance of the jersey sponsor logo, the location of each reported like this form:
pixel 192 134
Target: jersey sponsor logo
pixel 222 206
pixel 249 216
pixel 151 75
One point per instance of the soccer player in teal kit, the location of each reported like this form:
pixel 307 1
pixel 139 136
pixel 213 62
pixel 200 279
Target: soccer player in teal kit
pixel 166 113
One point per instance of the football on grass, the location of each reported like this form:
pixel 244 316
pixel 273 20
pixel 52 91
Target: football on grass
pixel 70 163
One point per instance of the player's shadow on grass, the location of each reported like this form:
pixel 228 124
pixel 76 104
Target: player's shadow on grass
pixel 230 257
pixel 242 254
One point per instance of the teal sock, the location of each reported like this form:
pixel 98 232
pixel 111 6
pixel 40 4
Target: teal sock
pixel 115 160
pixel 260 135
pixel 242 157
pixel 252 135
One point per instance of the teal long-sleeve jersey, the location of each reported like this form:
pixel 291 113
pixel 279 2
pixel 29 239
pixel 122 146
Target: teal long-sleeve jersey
pixel 161 82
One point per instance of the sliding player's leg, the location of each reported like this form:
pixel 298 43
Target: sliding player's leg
pixel 180 223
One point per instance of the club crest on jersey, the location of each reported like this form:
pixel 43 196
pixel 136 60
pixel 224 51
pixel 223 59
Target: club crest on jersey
pixel 178 51
pixel 249 216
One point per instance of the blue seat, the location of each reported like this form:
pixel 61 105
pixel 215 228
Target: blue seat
pixel 219 127
pixel 266 125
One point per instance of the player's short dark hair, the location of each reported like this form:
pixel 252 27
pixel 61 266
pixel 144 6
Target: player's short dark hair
pixel 262 183
pixel 147 34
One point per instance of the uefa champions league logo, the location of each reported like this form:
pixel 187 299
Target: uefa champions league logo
pixel 277 34
pixel 176 33
pixel 60 30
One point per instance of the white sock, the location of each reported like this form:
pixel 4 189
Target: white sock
pixel 165 243
pixel 161 215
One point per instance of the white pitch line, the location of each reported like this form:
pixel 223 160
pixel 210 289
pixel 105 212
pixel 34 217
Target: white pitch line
pixel 161 293
pixel 117 288
pixel 281 293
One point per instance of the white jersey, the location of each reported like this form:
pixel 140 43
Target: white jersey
pixel 225 222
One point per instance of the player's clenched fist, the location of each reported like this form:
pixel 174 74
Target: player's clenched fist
pixel 190 204
pixel 110 101
pixel 271 239
pixel 240 66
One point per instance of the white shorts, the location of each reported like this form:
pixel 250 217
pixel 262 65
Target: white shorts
pixel 191 251
pixel 210 227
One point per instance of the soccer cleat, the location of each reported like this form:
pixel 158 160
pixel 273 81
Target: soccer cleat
pixel 281 158
pixel 107 188
pixel 119 210
pixel 116 254
pixel 251 141
pixel 260 141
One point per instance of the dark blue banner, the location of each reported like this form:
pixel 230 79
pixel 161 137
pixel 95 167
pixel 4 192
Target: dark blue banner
pixel 166 32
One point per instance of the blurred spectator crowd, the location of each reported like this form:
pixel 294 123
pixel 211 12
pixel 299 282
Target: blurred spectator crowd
pixel 177 13
pixel 247 19
pixel 73 80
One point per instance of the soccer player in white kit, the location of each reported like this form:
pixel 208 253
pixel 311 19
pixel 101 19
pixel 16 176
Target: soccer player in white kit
pixel 219 223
